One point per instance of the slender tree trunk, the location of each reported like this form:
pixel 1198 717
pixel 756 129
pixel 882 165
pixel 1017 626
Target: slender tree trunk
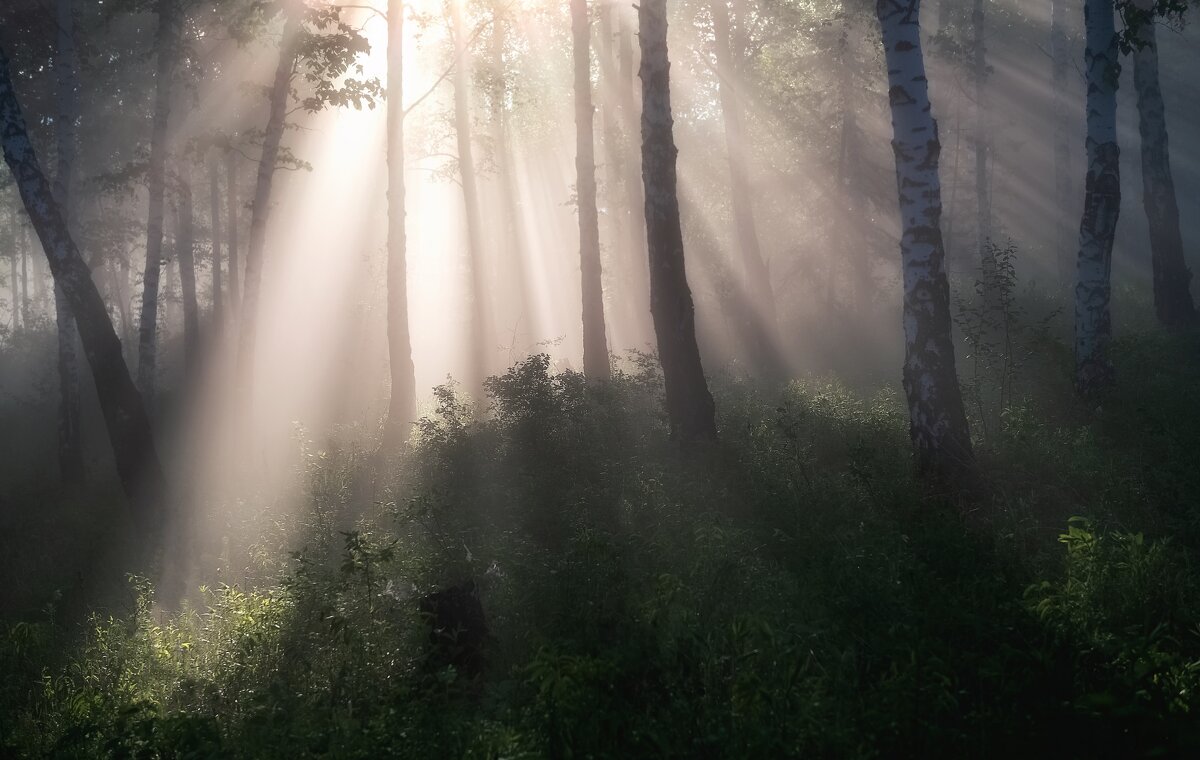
pixel 66 64
pixel 1102 201
pixel 1172 295
pixel 635 223
pixel 595 341
pixel 214 211
pixel 689 404
pixel 165 47
pixel 128 425
pixel 185 245
pixel 515 242
pixel 232 220
pixel 759 319
pixel 26 305
pixel 470 188
pixel 1064 186
pixel 280 89
pixel 937 421
pixel 402 407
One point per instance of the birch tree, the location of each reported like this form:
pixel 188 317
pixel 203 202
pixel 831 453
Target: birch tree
pixel 937 420
pixel 690 405
pixel 1102 201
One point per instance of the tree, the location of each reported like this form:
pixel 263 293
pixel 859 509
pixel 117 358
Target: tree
pixel 214 212
pixel 758 318
pixel 66 66
pixel 232 220
pixel 402 407
pixel 690 407
pixel 595 343
pixel 124 413
pixel 185 256
pixel 1172 295
pixel 1101 204
pixel 166 44
pixel 937 420
pixel 470 189
pixel 289 52
pixel 979 72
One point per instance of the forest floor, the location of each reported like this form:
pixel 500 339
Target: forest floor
pixel 594 592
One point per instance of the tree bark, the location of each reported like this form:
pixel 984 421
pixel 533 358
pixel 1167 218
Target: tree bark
pixel 1102 202
pixel 478 341
pixel 690 407
pixel 165 47
pixel 595 342
pixel 637 258
pixel 937 421
pixel 402 406
pixel 1172 295
pixel 128 424
pixel 185 256
pixel 66 64
pixel 759 320
pixel 232 220
pixel 289 52
pixel 1064 189
pixel 214 212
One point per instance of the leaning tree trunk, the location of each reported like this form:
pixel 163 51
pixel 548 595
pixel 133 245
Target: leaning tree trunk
pixel 1101 204
pixel 595 342
pixel 690 406
pixel 185 255
pixel 165 45
pixel 470 188
pixel 937 421
pixel 1172 294
pixel 1064 190
pixel 402 407
pixel 128 424
pixel 66 65
pixel 214 212
pixel 758 318
pixel 231 220
pixel 289 51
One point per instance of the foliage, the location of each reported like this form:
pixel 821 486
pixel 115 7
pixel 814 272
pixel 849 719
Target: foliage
pixel 794 592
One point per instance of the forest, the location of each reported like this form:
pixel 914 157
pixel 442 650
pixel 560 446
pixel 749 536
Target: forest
pixel 599 378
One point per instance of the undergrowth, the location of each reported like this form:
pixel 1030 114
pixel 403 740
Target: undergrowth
pixel 791 591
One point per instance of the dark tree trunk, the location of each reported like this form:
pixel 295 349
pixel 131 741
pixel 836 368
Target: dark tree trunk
pixel 937 420
pixel 1172 278
pixel 214 212
pixel 1064 186
pixel 185 255
pixel 689 403
pixel 470 187
pixel 595 343
pixel 70 442
pixel 128 425
pixel 280 89
pixel 1101 204
pixel 165 48
pixel 759 321
pixel 232 218
pixel 402 407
